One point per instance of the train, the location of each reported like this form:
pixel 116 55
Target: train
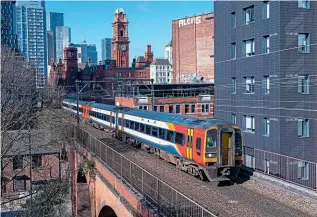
pixel 206 148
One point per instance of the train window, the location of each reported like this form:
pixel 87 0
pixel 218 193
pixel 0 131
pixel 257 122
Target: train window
pixel 132 125
pixel 169 136
pixel 80 109
pixel 137 126
pixel 119 121
pixel 198 144
pixel 154 131
pixel 179 138
pixel 142 128
pixel 90 113
pixel 127 123
pixel 148 129
pixel 162 133
pixel 211 142
pixel 113 119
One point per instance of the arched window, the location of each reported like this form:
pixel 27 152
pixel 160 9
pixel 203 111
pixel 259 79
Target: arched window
pixel 121 32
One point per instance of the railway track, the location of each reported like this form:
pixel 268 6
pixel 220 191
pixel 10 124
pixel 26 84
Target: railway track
pixel 228 200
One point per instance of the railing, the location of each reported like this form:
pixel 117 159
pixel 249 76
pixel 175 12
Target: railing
pixel 169 201
pixel 290 169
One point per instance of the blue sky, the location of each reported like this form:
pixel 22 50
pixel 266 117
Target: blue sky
pixel 150 21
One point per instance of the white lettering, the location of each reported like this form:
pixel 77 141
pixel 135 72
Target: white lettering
pixel 189 21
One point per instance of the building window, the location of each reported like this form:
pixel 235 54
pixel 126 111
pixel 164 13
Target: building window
pixel 248 15
pixel 155 108
pixel 304 42
pixel 161 108
pixel 304 4
pixel 233 85
pixel 233 20
pixel 18 162
pixel 170 109
pixel 36 161
pixel 248 123
pixel 234 118
pixel 233 50
pixel 303 170
pixel 303 84
pixel 178 109
pixel 303 128
pixel 249 84
pixel 249 47
pixel 143 107
pixel 266 44
pixel 19 183
pixel 266 126
pixel 193 108
pixel 204 108
pixel 266 10
pixel 186 108
pixel 266 85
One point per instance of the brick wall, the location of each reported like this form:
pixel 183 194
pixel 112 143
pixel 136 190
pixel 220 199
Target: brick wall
pixel 193 44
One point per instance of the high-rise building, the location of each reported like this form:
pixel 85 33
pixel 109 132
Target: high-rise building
pixel 82 53
pixel 50 46
pixel 265 70
pixel 106 49
pixel 31 31
pixel 8 25
pixel 55 19
pixel 92 53
pixel 63 38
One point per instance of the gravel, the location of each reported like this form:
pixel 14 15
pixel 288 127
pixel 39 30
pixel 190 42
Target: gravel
pixel 246 199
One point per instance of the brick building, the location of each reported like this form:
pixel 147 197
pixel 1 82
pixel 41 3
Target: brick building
pixel 193 48
pixel 29 149
pixel 186 99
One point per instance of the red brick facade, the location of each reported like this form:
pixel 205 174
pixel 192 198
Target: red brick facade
pixel 120 38
pixel 192 106
pixel 193 48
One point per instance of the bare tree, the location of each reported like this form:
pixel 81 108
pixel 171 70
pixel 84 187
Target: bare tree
pixel 31 121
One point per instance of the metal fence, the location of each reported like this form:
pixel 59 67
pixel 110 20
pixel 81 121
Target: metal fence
pixel 169 201
pixel 290 169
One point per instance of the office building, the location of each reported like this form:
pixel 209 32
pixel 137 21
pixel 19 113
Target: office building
pixel 8 25
pixel 161 71
pixel 92 53
pixel 31 31
pixel 63 38
pixel 169 52
pixel 50 46
pixel 193 48
pixel 55 19
pixel 265 70
pixel 106 49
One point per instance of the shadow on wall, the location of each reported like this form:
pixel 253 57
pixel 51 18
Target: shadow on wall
pixel 107 211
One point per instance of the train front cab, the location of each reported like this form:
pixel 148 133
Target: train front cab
pixel 223 153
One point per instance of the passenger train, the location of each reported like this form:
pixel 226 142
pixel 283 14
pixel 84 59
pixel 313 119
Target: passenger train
pixel 207 148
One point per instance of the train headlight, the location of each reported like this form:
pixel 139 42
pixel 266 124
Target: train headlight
pixel 211 155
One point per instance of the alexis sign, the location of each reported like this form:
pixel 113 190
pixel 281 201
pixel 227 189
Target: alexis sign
pixel 189 21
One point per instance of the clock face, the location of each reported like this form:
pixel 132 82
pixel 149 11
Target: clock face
pixel 123 47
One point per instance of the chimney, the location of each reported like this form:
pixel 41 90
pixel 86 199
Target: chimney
pixel 148 49
pixel 148 55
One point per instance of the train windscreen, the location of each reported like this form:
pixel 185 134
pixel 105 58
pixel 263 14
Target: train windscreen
pixel 211 142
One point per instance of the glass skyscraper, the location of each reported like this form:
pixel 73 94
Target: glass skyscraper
pixel 106 49
pixel 63 38
pixel 55 19
pixel 31 31
pixel 8 25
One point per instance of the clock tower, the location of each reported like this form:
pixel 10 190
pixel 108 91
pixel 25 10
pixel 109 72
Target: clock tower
pixel 120 39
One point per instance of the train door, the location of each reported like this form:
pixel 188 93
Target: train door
pixel 198 145
pixel 190 134
pixel 227 146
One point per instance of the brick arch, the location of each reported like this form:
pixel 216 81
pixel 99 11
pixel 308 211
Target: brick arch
pixel 107 211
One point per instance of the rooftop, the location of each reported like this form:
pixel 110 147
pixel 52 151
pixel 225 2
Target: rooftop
pixel 160 61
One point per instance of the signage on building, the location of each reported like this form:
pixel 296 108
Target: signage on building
pixel 189 21
pixel 187 77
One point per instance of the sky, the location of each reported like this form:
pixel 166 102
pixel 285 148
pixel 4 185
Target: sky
pixel 150 22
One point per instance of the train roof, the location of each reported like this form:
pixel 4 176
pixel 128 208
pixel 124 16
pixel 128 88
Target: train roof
pixel 189 121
